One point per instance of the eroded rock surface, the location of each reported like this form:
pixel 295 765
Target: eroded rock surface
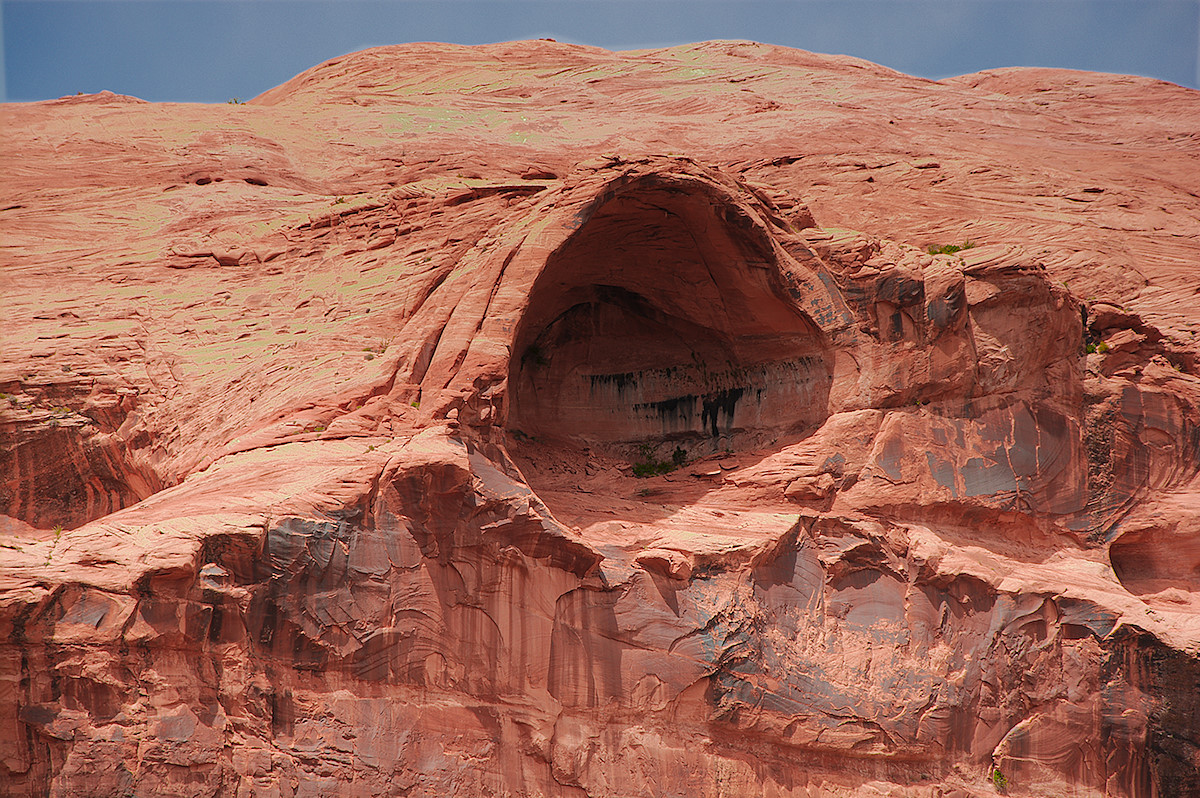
pixel 537 420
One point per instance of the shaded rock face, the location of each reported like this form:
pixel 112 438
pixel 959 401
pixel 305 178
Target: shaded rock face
pixel 349 466
pixel 71 468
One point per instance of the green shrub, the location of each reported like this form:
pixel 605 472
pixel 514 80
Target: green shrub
pixel 950 249
pixel 651 466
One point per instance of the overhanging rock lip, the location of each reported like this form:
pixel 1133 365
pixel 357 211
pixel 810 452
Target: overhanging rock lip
pixel 694 201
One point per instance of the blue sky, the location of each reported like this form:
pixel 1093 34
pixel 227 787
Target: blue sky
pixel 213 50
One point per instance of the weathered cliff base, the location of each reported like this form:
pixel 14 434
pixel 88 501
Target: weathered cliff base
pixel 537 420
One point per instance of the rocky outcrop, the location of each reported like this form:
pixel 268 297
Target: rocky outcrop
pixel 455 432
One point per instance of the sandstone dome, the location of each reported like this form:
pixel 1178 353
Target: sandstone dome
pixel 533 419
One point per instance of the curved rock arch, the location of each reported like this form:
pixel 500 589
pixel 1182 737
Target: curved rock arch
pixel 662 315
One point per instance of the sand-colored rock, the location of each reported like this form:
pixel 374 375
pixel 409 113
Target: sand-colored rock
pixel 532 419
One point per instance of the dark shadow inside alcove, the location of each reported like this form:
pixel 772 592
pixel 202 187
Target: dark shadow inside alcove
pixel 663 318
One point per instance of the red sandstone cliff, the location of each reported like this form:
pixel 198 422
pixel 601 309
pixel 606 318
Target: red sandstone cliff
pixel 321 416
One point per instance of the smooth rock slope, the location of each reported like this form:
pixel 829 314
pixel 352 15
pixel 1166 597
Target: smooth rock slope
pixel 532 419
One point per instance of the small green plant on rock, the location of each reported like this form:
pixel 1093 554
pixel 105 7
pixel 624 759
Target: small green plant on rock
pixel 58 530
pixel 950 249
pixel 651 466
pixel 999 781
pixel 679 457
pixel 380 347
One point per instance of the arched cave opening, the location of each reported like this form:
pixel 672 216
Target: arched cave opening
pixel 1148 561
pixel 663 318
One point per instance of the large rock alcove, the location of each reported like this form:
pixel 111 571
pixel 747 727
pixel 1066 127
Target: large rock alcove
pixel 662 318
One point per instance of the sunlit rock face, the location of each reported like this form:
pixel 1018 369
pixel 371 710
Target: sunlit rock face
pixel 537 420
